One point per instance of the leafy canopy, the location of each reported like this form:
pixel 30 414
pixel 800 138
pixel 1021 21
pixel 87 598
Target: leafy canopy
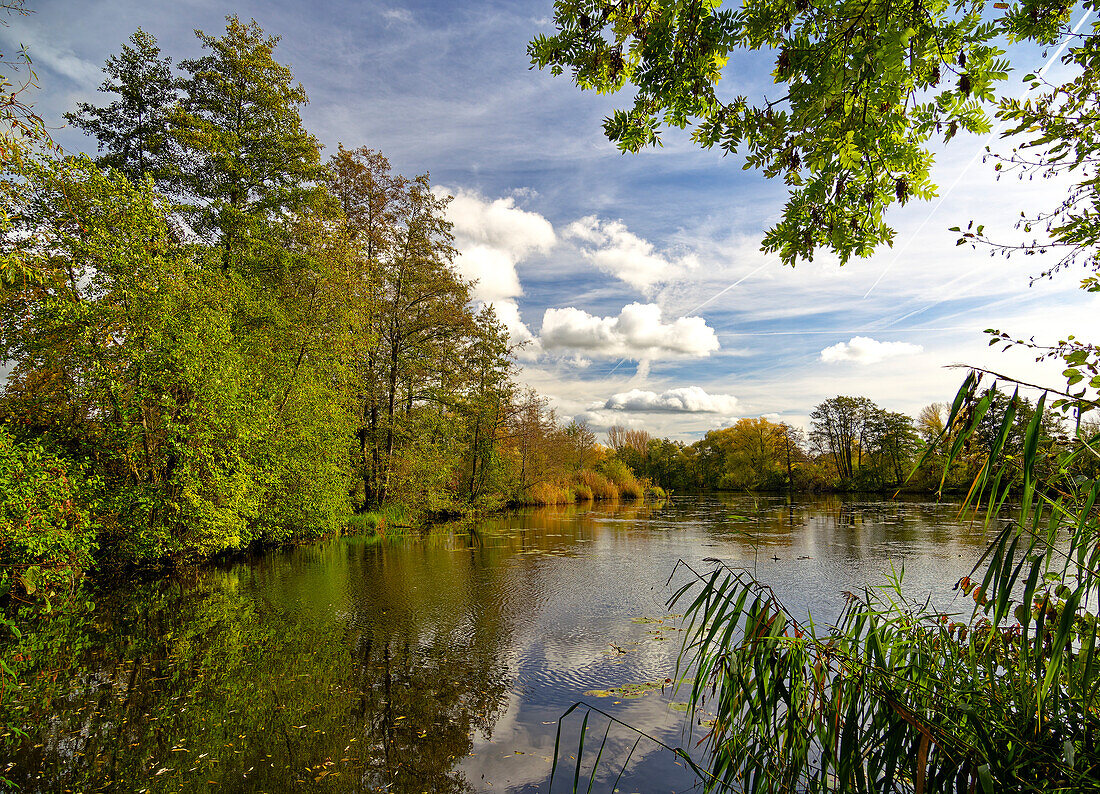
pixel 864 89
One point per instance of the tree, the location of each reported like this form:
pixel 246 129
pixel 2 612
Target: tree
pixel 246 161
pixel 124 358
pixel 487 398
pixel 134 130
pixel 583 442
pixel 863 90
pixel 793 440
pixel 892 444
pixel 631 447
pixel 839 429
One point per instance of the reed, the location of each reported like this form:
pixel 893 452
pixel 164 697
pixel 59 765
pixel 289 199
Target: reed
pixel 546 493
pixel 595 485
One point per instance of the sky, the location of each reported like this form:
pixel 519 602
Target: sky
pixel 636 281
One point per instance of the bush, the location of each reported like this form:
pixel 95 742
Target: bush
pixel 49 536
pixel 546 493
pixel 594 484
pixel 623 478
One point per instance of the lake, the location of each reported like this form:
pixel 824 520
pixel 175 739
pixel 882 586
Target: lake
pixel 442 663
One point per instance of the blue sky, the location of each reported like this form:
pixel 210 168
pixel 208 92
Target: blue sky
pixel 618 268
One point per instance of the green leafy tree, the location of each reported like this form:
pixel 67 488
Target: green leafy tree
pixel 487 402
pixel 125 357
pixel 246 161
pixel 839 429
pixel 892 446
pixel 134 130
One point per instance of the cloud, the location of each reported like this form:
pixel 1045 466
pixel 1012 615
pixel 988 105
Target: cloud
pixel 625 255
pixel 637 333
pixel 401 15
pixel 600 421
pixel 492 237
pixel 683 400
pixel 58 58
pixel 864 350
pixel 507 312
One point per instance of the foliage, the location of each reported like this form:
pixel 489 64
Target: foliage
pixel 125 357
pixel 863 92
pixel 246 159
pixel 247 346
pixel 620 475
pixel 900 695
pixel 854 444
pixel 49 536
pixel 135 129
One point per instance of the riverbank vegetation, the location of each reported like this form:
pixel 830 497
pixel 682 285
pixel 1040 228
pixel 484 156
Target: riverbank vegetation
pixel 217 339
pixel 853 445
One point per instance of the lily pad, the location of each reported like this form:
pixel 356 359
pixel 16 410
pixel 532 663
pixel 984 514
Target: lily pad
pixel 629 691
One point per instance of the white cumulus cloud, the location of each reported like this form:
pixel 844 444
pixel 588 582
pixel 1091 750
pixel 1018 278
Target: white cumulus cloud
pixel 684 400
pixel 507 312
pixel 492 237
pixel 616 250
pixel 864 350
pixel 637 333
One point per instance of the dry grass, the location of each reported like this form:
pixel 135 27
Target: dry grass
pixel 546 493
pixel 595 485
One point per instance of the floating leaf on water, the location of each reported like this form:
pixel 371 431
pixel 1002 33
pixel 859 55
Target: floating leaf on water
pixel 627 692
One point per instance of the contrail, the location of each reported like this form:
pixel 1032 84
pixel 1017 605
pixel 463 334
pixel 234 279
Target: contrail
pixel 862 330
pixel 722 292
pixel 996 131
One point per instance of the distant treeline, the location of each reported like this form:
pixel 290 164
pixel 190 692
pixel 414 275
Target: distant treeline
pixel 852 445
pixel 217 340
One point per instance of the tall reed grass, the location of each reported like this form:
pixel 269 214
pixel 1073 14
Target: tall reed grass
pixel 594 485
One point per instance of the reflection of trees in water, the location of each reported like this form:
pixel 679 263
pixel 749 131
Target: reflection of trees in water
pixel 859 526
pixel 208 685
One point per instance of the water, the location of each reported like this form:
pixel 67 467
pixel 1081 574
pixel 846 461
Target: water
pixel 435 665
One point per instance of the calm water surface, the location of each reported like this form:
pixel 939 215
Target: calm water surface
pixel 441 664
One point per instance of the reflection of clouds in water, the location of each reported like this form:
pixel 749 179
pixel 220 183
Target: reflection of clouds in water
pixel 481 641
pixel 520 754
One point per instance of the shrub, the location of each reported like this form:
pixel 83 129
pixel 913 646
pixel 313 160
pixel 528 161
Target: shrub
pixel 546 493
pixel 595 485
pixel 49 537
